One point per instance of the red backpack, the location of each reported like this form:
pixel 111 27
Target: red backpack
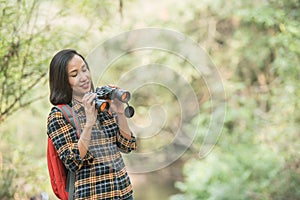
pixel 56 168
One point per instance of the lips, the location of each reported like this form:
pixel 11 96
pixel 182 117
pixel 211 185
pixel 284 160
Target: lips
pixel 85 85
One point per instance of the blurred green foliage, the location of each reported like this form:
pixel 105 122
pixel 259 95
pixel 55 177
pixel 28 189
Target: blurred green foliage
pixel 256 156
pixel 29 36
pixel 254 44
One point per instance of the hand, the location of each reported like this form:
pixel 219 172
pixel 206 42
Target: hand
pixel 89 108
pixel 115 104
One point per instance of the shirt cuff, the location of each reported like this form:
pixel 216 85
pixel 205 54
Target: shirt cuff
pixel 130 144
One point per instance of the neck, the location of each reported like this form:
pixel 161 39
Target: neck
pixel 79 100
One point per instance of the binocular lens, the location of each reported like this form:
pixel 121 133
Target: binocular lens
pixel 104 106
pixel 124 97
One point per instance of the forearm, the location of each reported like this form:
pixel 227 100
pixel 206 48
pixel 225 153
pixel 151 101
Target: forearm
pixel 126 141
pixel 91 116
pixel 123 126
pixel 84 141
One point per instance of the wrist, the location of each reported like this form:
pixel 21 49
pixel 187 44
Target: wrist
pixel 85 138
pixel 88 126
pixel 126 134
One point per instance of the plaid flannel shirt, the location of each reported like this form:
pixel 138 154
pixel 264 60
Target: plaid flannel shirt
pixel 101 174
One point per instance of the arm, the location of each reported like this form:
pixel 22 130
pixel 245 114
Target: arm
pixel 123 126
pixel 91 117
pixel 126 141
pixel 84 141
pixel 64 138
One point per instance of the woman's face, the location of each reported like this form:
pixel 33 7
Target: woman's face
pixel 79 77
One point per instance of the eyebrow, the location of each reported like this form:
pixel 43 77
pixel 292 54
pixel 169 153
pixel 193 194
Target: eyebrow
pixel 70 72
pixel 75 70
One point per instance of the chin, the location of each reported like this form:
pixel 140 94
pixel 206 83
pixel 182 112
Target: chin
pixel 86 91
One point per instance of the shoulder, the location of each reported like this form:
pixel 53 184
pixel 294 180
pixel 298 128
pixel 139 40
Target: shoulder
pixel 55 114
pixel 57 110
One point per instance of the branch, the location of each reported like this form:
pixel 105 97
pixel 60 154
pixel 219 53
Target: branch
pixel 12 107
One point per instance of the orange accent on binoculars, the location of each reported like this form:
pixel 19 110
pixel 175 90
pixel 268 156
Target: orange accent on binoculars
pixel 104 106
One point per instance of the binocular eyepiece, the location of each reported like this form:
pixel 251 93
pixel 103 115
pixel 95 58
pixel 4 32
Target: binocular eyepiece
pixel 105 93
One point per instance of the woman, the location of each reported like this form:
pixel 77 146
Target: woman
pixel 95 157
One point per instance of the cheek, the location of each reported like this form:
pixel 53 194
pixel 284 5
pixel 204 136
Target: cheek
pixel 88 75
pixel 72 82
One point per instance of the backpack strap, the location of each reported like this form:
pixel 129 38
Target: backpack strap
pixel 68 112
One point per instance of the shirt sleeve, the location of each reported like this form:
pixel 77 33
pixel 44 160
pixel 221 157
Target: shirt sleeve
pixel 64 138
pixel 126 145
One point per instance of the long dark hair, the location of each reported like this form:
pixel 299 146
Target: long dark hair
pixel 60 88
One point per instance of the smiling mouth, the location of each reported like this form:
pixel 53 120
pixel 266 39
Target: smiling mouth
pixel 86 85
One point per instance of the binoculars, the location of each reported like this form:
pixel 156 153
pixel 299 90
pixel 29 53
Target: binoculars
pixel 106 92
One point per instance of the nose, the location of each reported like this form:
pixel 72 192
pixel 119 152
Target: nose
pixel 82 77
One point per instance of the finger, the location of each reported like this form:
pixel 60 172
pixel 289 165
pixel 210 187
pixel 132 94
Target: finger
pixel 88 98
pixel 91 98
pixel 117 102
pixel 113 86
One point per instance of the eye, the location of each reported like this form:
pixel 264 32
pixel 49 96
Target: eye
pixel 84 69
pixel 73 75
